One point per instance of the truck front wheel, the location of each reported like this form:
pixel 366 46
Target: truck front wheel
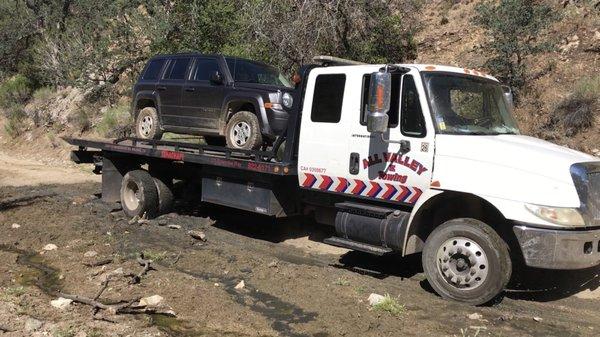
pixel 467 261
pixel 243 131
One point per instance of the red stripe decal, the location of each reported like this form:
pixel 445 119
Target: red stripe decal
pixel 389 193
pixel 403 194
pixel 326 183
pixel 309 181
pixel 342 186
pixel 415 196
pixel 375 189
pixel 360 186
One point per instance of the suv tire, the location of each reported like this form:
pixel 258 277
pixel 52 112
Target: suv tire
pixel 465 260
pixel 147 124
pixel 243 131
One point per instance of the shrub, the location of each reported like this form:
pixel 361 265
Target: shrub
pixel 15 123
pixel 577 111
pixel 513 27
pixel 116 122
pixel 43 94
pixel 15 90
pixel 80 120
pixel 390 305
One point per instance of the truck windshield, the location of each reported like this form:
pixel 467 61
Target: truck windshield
pixel 468 105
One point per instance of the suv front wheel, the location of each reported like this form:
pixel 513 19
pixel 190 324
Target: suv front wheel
pixel 147 124
pixel 243 131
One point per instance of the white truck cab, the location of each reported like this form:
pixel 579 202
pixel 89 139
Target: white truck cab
pixel 440 145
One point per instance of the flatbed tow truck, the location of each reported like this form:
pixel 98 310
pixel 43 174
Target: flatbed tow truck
pixel 399 158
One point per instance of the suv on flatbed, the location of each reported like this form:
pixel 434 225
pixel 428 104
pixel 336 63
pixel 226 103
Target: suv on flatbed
pixel 215 96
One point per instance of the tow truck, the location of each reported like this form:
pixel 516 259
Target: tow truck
pixel 403 158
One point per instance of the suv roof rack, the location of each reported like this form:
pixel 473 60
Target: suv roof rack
pixel 326 60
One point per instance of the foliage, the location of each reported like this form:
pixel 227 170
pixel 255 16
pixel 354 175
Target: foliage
pixel 43 94
pixel 116 122
pixel 577 111
pixel 390 305
pixel 15 121
pixel 512 27
pixel 15 90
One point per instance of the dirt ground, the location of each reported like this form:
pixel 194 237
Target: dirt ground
pixel 294 284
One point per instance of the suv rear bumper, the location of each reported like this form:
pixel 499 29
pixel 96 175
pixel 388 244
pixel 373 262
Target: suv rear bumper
pixel 559 249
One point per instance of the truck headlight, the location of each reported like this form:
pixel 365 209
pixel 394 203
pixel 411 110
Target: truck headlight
pixel 564 216
pixel 287 100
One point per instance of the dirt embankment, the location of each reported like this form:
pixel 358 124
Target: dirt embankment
pixel 293 287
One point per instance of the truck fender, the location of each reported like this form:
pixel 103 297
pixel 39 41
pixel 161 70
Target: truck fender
pixel 257 102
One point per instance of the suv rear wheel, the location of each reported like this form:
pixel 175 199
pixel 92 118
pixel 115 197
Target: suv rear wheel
pixel 243 131
pixel 147 124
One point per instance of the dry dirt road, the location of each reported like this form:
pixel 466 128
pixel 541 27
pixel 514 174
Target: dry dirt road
pixel 293 285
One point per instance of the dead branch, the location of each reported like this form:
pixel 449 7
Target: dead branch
pixel 131 307
pixel 136 278
pixel 98 263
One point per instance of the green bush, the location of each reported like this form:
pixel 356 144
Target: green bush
pixel 15 121
pixel 80 120
pixel 116 122
pixel 15 90
pixel 577 112
pixel 43 94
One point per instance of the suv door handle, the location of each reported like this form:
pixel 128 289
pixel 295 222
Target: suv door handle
pixel 161 88
pixel 190 89
pixel 354 166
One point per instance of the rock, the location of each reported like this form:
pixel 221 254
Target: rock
pixel 81 334
pixel 240 285
pixel 475 316
pixel 375 299
pixel 134 220
pixel 32 324
pixel 50 246
pixel 61 303
pixel 198 235
pixel 273 264
pixel 162 222
pixel 153 301
pixel 15 226
pixel 90 253
pixel 174 226
pixel 538 319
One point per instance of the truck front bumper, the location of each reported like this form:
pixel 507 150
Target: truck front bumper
pixel 559 249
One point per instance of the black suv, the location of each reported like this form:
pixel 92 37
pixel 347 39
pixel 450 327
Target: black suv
pixel 215 96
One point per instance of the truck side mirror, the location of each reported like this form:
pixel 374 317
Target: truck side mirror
pixel 379 102
pixel 508 95
pixel 216 78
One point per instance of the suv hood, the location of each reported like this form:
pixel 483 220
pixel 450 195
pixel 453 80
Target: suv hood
pixel 511 167
pixel 265 87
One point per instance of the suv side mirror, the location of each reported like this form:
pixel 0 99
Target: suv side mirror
pixel 380 90
pixel 508 95
pixel 216 78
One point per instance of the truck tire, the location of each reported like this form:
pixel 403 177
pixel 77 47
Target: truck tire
pixel 243 131
pixel 139 194
pixel 465 260
pixel 165 195
pixel 147 124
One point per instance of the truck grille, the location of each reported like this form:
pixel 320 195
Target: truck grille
pixel 594 194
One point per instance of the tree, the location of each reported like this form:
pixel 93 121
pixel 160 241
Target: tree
pixel 513 27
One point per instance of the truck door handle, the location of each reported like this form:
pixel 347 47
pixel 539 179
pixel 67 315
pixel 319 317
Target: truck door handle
pixel 354 163
pixel 161 88
pixel 190 89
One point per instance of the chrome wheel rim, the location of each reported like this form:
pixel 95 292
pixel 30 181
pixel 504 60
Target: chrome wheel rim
pixel 240 133
pixel 146 126
pixel 131 195
pixel 462 263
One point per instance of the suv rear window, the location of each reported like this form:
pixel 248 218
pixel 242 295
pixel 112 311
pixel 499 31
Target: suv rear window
pixel 177 69
pixel 153 69
pixel 205 67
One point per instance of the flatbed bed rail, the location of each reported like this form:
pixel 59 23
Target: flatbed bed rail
pixel 258 161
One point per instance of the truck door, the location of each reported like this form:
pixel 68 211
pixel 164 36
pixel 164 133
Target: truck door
pixel 359 163
pixel 169 90
pixel 201 98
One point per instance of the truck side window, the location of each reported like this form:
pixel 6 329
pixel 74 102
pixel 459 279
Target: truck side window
pixel 205 67
pixel 394 100
pixel 413 123
pixel 177 69
pixel 153 69
pixel 328 98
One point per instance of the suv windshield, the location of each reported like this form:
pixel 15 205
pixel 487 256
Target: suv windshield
pixel 253 72
pixel 468 105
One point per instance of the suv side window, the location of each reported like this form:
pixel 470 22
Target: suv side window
pixel 177 69
pixel 153 69
pixel 412 121
pixel 205 68
pixel 394 100
pixel 328 98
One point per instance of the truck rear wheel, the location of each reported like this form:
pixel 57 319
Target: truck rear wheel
pixel 243 131
pixel 139 194
pixel 466 260
pixel 147 124
pixel 165 194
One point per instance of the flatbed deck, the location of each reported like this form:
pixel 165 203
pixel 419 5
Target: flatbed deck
pixel 257 161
